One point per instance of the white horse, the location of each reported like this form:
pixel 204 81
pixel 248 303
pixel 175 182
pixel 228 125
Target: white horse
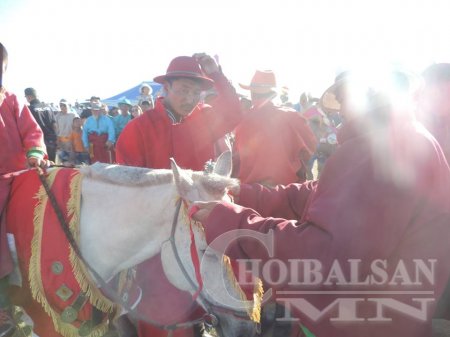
pixel 129 215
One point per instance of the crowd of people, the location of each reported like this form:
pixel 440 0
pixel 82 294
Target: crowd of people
pixel 383 192
pixel 73 133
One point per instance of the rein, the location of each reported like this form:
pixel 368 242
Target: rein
pixel 210 319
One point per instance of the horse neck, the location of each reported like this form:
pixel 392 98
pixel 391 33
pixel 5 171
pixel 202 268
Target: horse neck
pixel 122 226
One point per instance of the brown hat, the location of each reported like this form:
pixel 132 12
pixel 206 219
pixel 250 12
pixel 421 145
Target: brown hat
pixel 262 82
pixel 185 66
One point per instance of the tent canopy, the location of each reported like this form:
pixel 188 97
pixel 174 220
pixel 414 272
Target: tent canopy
pixel 133 94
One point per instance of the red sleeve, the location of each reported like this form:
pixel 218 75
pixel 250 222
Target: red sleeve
pixel 129 148
pixel 225 113
pixel 288 202
pixel 288 238
pixel 30 132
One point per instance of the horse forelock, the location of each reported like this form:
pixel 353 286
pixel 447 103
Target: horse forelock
pixel 215 183
pixel 127 175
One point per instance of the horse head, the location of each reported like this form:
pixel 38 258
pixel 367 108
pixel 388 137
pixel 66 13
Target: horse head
pixel 210 280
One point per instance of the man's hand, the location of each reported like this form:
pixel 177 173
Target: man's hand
pixel 207 63
pixel 200 210
pixel 37 162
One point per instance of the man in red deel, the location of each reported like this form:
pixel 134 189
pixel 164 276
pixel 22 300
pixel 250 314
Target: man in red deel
pixel 273 144
pixel 182 127
pixel 379 211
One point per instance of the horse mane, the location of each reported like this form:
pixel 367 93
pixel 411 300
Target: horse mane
pixel 127 175
pixel 138 176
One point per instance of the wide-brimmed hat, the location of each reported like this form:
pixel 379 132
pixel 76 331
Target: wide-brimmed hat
pixel 125 101
pixel 96 106
pixel 188 67
pixel 64 101
pixel 262 82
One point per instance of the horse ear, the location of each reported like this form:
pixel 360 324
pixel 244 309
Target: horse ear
pixel 224 164
pixel 183 182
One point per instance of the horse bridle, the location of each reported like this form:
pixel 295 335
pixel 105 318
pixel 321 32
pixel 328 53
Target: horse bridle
pixel 210 319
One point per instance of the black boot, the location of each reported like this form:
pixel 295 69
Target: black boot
pixel 7 324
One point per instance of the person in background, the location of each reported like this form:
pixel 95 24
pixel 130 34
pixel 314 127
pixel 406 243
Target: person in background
pixel 79 154
pixel 146 105
pixel 146 95
pixel 325 134
pixel 272 144
pixel 284 97
pixel 105 110
pixel 63 130
pixel 136 111
pixel 87 111
pixel 99 135
pixel 124 117
pixel 46 120
pixel 23 146
pixel 114 111
pixel 303 102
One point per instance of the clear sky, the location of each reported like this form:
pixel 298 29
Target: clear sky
pixel 74 49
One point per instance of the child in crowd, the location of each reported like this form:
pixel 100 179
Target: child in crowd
pixel 79 155
pixel 136 111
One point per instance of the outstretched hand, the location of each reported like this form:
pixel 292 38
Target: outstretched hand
pixel 200 210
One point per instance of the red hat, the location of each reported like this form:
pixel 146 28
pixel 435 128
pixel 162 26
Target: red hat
pixel 185 66
pixel 262 82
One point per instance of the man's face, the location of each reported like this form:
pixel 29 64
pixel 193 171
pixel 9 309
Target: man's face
pixel 63 108
pixel 124 108
pixel 183 95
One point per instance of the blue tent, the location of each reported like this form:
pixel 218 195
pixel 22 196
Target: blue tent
pixel 133 94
